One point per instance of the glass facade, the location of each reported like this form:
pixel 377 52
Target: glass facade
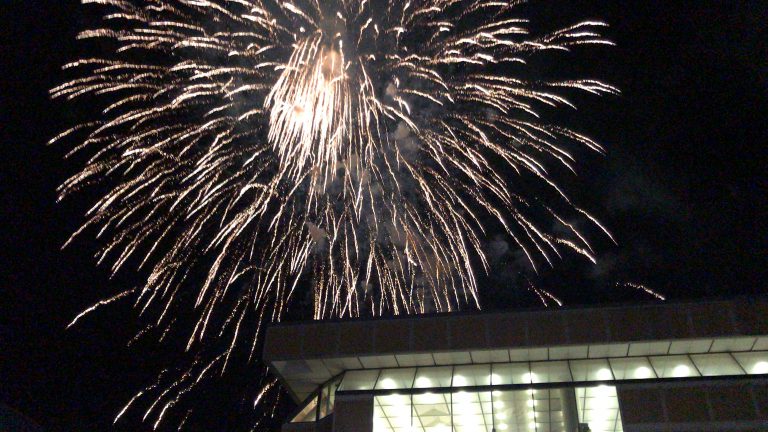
pixel 559 371
pixel 676 367
pixel 308 412
pixel 598 407
pixel 525 410
pixel 305 375
pixel 517 396
pixel 320 405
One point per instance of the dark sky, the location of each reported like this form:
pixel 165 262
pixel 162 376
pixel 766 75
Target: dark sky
pixel 683 188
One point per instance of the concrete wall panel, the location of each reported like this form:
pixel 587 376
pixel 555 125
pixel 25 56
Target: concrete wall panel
pixel 353 414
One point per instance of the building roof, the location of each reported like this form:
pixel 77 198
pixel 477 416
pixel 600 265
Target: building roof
pixel 307 354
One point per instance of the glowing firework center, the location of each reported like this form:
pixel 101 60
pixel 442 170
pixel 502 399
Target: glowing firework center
pixel 314 108
pixel 696 367
pixel 309 107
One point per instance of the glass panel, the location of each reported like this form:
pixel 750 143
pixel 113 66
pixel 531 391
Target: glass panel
pixel 433 411
pixel 359 380
pixel 470 412
pixel 717 364
pixel 466 376
pixel 549 372
pixel 452 358
pixel 610 350
pixel 673 367
pixel 528 354
pixel 490 356
pixel 511 408
pixel 437 428
pixel 380 422
pixel 690 346
pixel 632 368
pixel 429 377
pixel 761 344
pixel 511 373
pixel 393 413
pixel 411 360
pixel 648 348
pixel 329 398
pixel 568 352
pixel 308 413
pixel 378 362
pixel 598 407
pixel 733 344
pixel 395 379
pixel 591 370
pixel 753 362
pixel 549 409
pixel 530 410
pixel 324 401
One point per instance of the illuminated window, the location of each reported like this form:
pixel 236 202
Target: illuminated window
pixel 476 375
pixel 548 372
pixel 599 408
pixel 755 363
pixel 632 368
pixel 591 370
pixel 673 367
pixel 472 411
pixel 716 364
pixel 445 398
pixel 428 377
pixel 534 410
pixel 359 380
pixel 395 379
pixel 511 373
pixel 392 413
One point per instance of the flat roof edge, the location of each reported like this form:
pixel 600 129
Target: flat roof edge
pixel 746 316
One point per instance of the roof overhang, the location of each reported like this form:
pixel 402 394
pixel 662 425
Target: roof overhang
pixel 305 355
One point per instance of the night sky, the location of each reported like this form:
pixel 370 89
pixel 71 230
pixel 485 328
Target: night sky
pixel 683 188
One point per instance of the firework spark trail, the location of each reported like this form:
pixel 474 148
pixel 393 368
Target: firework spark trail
pixel 643 288
pixel 365 145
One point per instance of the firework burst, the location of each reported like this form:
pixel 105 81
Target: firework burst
pixel 363 146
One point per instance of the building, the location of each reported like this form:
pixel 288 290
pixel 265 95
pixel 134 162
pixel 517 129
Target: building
pixel 667 367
